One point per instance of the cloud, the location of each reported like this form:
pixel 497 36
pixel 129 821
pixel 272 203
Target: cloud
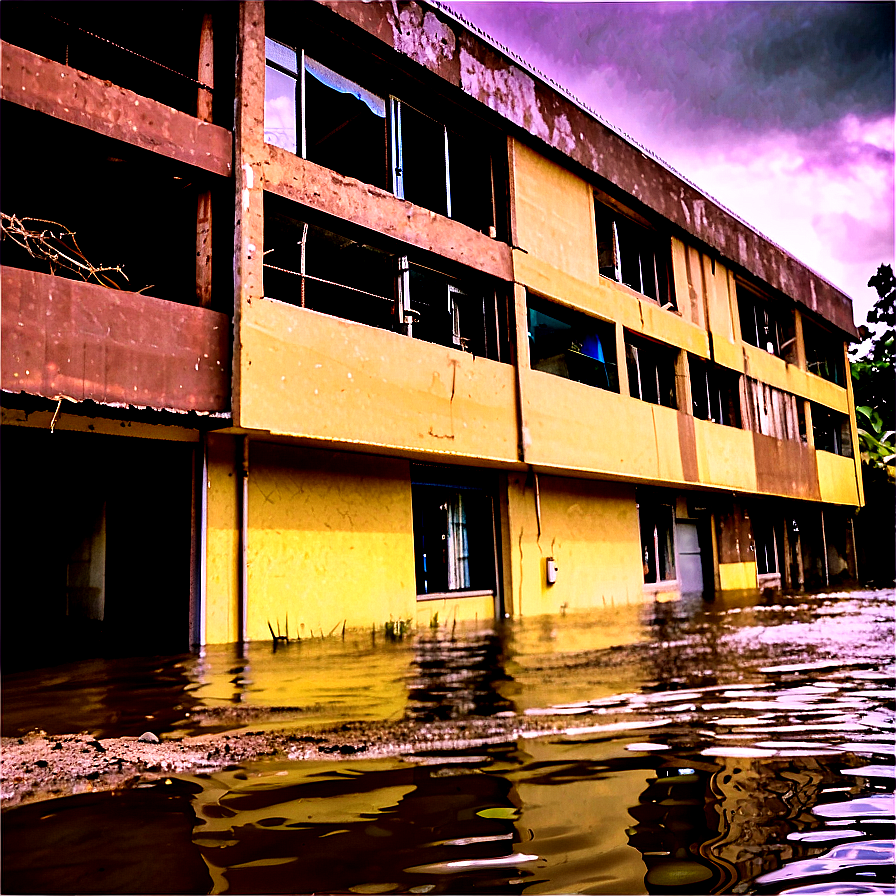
pixel 749 65
pixel 783 112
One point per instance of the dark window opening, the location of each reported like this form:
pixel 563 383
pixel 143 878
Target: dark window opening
pixel 331 119
pixel 766 546
pixel 824 353
pixel 715 392
pixel 454 531
pixel 310 266
pixel 657 523
pixel 572 345
pixel 127 208
pixel 770 411
pixel 633 255
pixel 135 45
pixel 832 431
pixel 769 328
pixel 651 370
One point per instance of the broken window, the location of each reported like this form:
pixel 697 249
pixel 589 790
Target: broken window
pixel 832 431
pixel 715 392
pixel 572 345
pixel 358 279
pixel 632 253
pixel 824 353
pixel 765 326
pixel 454 532
pixel 651 370
pixel 770 411
pixel 329 118
pixel 657 523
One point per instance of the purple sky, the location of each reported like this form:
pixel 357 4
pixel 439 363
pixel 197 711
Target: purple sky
pixel 783 112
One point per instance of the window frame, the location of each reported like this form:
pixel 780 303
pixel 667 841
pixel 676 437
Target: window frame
pixel 604 331
pixel 635 344
pixel 431 480
pixel 608 212
pixel 395 137
pixel 652 506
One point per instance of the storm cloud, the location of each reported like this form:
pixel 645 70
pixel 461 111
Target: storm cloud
pixel 781 111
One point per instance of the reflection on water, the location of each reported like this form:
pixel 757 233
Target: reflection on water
pixel 738 746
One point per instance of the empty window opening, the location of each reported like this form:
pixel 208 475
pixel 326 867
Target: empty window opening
pixel 832 431
pixel 766 546
pixel 331 119
pixel 454 532
pixel 133 46
pixel 824 353
pixel 651 370
pixel 310 266
pixel 765 326
pixel 144 219
pixel 657 522
pixel 632 254
pixel 715 392
pixel 771 411
pixel 572 345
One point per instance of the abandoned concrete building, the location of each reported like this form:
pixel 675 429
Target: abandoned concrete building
pixel 405 331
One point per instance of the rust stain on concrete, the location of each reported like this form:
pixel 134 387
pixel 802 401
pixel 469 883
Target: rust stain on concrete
pixel 67 338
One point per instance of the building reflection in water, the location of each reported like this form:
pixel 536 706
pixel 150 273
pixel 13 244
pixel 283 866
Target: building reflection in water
pixel 458 678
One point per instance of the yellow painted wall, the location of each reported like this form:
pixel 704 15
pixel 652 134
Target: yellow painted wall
pixel 330 539
pixel 554 215
pixel 737 576
pixel 309 374
pixel 222 541
pixel 461 609
pixel 590 528
pixel 725 456
pixel 574 426
pixel 837 478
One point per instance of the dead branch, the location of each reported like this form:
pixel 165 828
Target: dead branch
pixel 57 246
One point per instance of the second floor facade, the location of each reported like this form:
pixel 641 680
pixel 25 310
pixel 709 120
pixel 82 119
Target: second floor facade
pixel 404 254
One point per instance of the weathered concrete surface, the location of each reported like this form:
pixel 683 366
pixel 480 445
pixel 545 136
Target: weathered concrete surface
pixel 320 188
pixel 67 338
pixel 785 467
pixel 460 57
pixel 73 96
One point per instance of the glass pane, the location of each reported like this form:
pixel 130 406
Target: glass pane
pixel 345 126
pixel 280 109
pixel 471 183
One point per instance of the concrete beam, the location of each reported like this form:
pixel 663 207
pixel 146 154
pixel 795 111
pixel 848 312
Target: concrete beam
pixel 344 197
pixel 65 93
pixel 67 338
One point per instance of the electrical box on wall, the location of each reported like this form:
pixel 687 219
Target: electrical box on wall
pixel 550 566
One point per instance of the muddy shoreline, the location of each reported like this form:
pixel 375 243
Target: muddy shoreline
pixel 39 766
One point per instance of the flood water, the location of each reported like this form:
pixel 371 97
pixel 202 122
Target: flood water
pixel 744 745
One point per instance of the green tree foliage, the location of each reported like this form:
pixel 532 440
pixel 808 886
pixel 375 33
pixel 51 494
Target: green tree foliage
pixel 874 377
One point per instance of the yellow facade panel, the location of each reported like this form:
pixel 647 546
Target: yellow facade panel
pixel 330 541
pixel 591 530
pixel 725 456
pixel 837 479
pixel 574 426
pixel 728 354
pixel 444 613
pixel 554 214
pixel 222 541
pixel 738 576
pixel 312 375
